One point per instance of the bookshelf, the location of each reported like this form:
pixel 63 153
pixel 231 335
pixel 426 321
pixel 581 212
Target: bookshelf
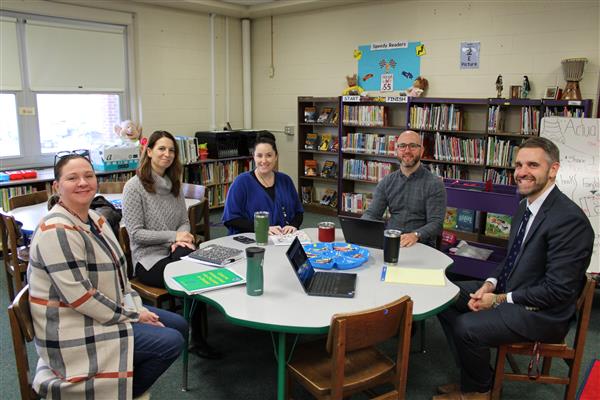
pixel 318 142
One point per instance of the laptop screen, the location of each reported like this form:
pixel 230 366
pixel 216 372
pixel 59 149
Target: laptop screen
pixel 363 232
pixel 297 256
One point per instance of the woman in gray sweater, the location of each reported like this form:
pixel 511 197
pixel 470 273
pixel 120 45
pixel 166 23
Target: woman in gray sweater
pixel 156 219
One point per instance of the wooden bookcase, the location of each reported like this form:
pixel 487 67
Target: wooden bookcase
pixel 313 189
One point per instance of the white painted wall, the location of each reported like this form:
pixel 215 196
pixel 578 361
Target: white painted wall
pixel 171 59
pixel 313 51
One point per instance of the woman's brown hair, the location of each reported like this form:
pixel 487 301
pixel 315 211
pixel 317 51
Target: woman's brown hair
pixel 174 171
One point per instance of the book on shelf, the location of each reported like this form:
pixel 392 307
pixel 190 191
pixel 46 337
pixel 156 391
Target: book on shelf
pixel 335 144
pixel 199 282
pixel 465 220
pixel 325 115
pixel 356 203
pixel 329 198
pixel 329 169
pixel 310 114
pixel 311 142
pixel 307 194
pixel 498 225
pixel 335 116
pixel 325 142
pixel 310 167
pixel 450 218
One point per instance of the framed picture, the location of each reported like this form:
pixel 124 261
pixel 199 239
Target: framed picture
pixel 551 92
pixel 515 92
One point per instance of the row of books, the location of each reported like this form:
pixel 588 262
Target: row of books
pixel 120 177
pixel 326 115
pixel 563 112
pixel 356 202
pixel 451 148
pixel 323 142
pixel 370 143
pixel 501 177
pixel 501 153
pixel 216 194
pixel 372 171
pixel 466 220
pixel 448 171
pixel 217 172
pixel 329 169
pixel 443 117
pixel 6 193
pixel 529 120
pixel 365 115
pixel 188 149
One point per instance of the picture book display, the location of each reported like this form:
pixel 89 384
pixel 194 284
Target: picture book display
pixel 310 167
pixel 329 198
pixel 329 169
pixel 465 220
pixel 307 194
pixel 450 218
pixel 498 225
pixel 310 114
pixel 325 142
pixel 199 282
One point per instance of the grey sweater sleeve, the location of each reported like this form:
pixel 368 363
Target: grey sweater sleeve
pixel 184 222
pixel 435 205
pixel 379 203
pixel 135 215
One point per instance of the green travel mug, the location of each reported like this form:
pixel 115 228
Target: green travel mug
pixel 261 227
pixel 255 257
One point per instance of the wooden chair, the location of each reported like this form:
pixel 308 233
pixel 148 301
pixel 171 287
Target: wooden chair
pixel 111 187
pixel 28 199
pixel 348 362
pixel 21 327
pixel 154 295
pixel 198 214
pixel 15 258
pixel 571 355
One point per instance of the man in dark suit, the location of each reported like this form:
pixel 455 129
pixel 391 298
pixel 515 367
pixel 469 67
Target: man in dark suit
pixel 532 294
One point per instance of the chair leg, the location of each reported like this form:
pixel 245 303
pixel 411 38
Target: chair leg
pixel 11 287
pixel 546 365
pixel 499 373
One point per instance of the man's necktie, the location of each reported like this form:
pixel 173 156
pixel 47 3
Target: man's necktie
pixel 512 255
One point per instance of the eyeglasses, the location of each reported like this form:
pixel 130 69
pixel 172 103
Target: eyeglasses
pixel 80 152
pixel 412 146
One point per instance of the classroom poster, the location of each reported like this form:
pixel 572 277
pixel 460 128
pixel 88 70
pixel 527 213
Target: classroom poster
pixel 469 55
pixel 388 66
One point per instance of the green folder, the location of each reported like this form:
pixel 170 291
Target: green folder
pixel 199 282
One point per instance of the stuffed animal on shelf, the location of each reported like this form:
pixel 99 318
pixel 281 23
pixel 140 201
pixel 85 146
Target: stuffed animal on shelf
pixel 130 132
pixel 353 89
pixel 420 85
pixel 499 86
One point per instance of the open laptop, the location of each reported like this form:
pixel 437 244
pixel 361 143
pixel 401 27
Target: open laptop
pixel 329 284
pixel 363 232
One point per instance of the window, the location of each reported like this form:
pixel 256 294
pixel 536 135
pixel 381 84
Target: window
pixel 9 127
pixel 71 74
pixel 75 121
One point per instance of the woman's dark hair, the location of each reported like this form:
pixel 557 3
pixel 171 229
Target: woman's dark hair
pixel 62 161
pixel 266 137
pixel 144 171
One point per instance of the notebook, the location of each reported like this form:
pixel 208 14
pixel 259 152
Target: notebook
pixel 199 282
pixel 329 284
pixel 217 255
pixel 363 232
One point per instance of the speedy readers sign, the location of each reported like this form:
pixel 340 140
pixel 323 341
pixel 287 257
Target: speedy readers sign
pixel 388 66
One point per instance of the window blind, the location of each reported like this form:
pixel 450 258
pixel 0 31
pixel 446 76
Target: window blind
pixel 10 72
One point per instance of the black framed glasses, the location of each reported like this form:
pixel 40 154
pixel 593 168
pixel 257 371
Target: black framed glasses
pixel 65 153
pixel 412 146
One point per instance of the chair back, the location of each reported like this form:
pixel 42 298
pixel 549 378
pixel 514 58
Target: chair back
pixel 28 199
pixel 368 328
pixel 13 265
pixel 191 191
pixel 111 187
pixel 584 310
pixel 198 214
pixel 124 242
pixel 21 326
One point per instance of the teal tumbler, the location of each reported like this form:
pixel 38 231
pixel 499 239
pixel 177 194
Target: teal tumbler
pixel 255 257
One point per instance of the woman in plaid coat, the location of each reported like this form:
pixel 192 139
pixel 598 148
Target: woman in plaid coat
pixel 94 337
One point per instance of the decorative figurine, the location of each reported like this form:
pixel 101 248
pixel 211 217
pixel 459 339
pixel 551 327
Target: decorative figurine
pixel 525 88
pixel 419 86
pixel 353 89
pixel 499 86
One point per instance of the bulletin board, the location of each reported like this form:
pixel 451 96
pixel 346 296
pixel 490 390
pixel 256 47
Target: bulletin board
pixel 389 66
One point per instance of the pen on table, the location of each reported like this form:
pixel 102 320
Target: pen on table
pixel 383 272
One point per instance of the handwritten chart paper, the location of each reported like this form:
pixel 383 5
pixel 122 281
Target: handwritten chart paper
pixel 578 140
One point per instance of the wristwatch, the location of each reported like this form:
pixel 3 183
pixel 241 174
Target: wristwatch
pixel 417 234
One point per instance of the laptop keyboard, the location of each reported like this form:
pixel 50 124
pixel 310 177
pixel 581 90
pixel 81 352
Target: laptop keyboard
pixel 215 254
pixel 325 282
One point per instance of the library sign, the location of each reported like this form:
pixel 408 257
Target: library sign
pixel 469 55
pixel 388 66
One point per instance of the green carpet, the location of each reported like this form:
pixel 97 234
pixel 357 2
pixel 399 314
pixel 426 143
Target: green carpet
pixel 248 369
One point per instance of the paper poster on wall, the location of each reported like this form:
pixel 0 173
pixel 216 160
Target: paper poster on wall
pixel 388 66
pixel 469 55
pixel 578 140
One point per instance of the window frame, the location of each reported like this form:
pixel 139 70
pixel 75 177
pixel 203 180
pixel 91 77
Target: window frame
pixel 28 125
